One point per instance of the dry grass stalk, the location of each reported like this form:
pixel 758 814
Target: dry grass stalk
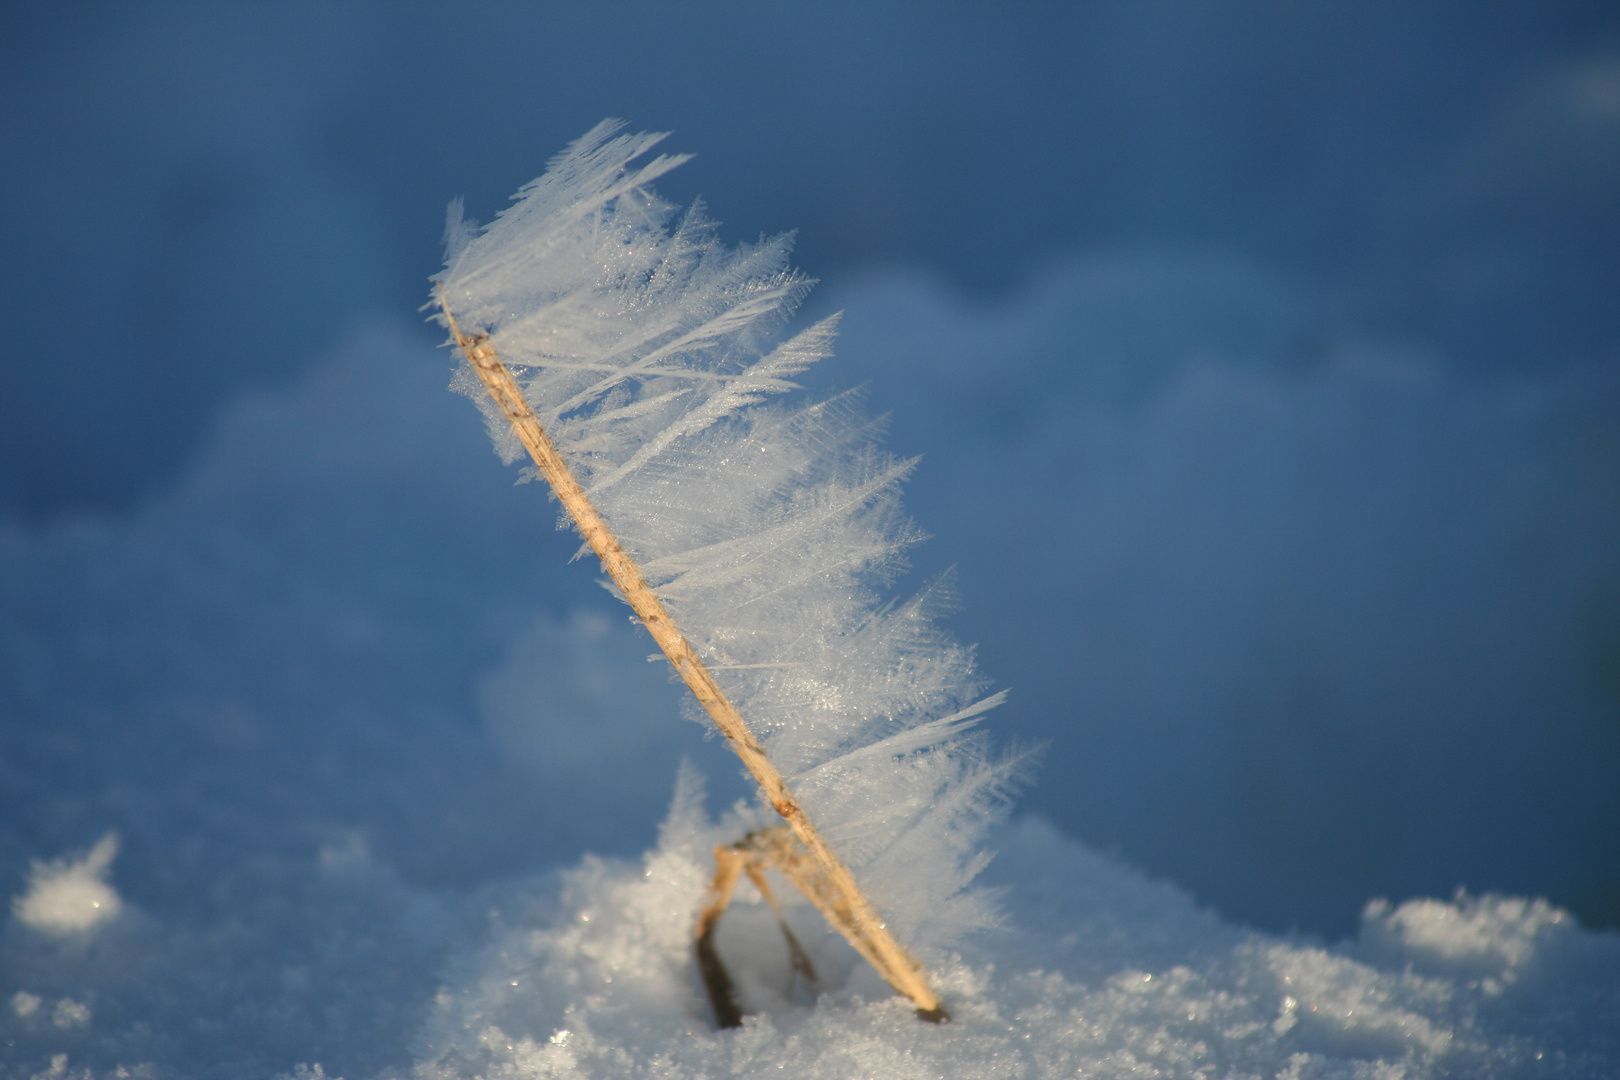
pixel 828 882
pixel 750 855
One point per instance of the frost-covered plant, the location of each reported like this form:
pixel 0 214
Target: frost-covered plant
pixel 629 352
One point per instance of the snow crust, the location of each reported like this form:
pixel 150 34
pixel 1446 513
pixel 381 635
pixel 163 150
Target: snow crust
pixel 1102 973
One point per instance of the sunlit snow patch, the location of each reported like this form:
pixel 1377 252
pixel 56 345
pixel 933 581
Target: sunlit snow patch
pixel 70 896
pixel 1103 973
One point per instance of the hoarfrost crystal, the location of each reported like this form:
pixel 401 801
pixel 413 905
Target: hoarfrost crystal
pixel 644 346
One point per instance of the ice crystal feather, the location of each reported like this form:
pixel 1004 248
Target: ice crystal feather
pixel 643 346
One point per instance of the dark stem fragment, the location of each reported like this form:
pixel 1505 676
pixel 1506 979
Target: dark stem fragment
pixel 750 855
pixel 722 994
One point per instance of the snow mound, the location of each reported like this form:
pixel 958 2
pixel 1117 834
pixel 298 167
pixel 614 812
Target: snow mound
pixel 67 897
pixel 1104 973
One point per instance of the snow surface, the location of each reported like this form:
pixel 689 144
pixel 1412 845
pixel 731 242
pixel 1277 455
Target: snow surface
pixel 1103 973
pixel 293 684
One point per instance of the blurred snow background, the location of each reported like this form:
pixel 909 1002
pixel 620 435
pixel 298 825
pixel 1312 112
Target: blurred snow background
pixel 1287 338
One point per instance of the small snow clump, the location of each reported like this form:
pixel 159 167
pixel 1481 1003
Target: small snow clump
pixel 70 896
